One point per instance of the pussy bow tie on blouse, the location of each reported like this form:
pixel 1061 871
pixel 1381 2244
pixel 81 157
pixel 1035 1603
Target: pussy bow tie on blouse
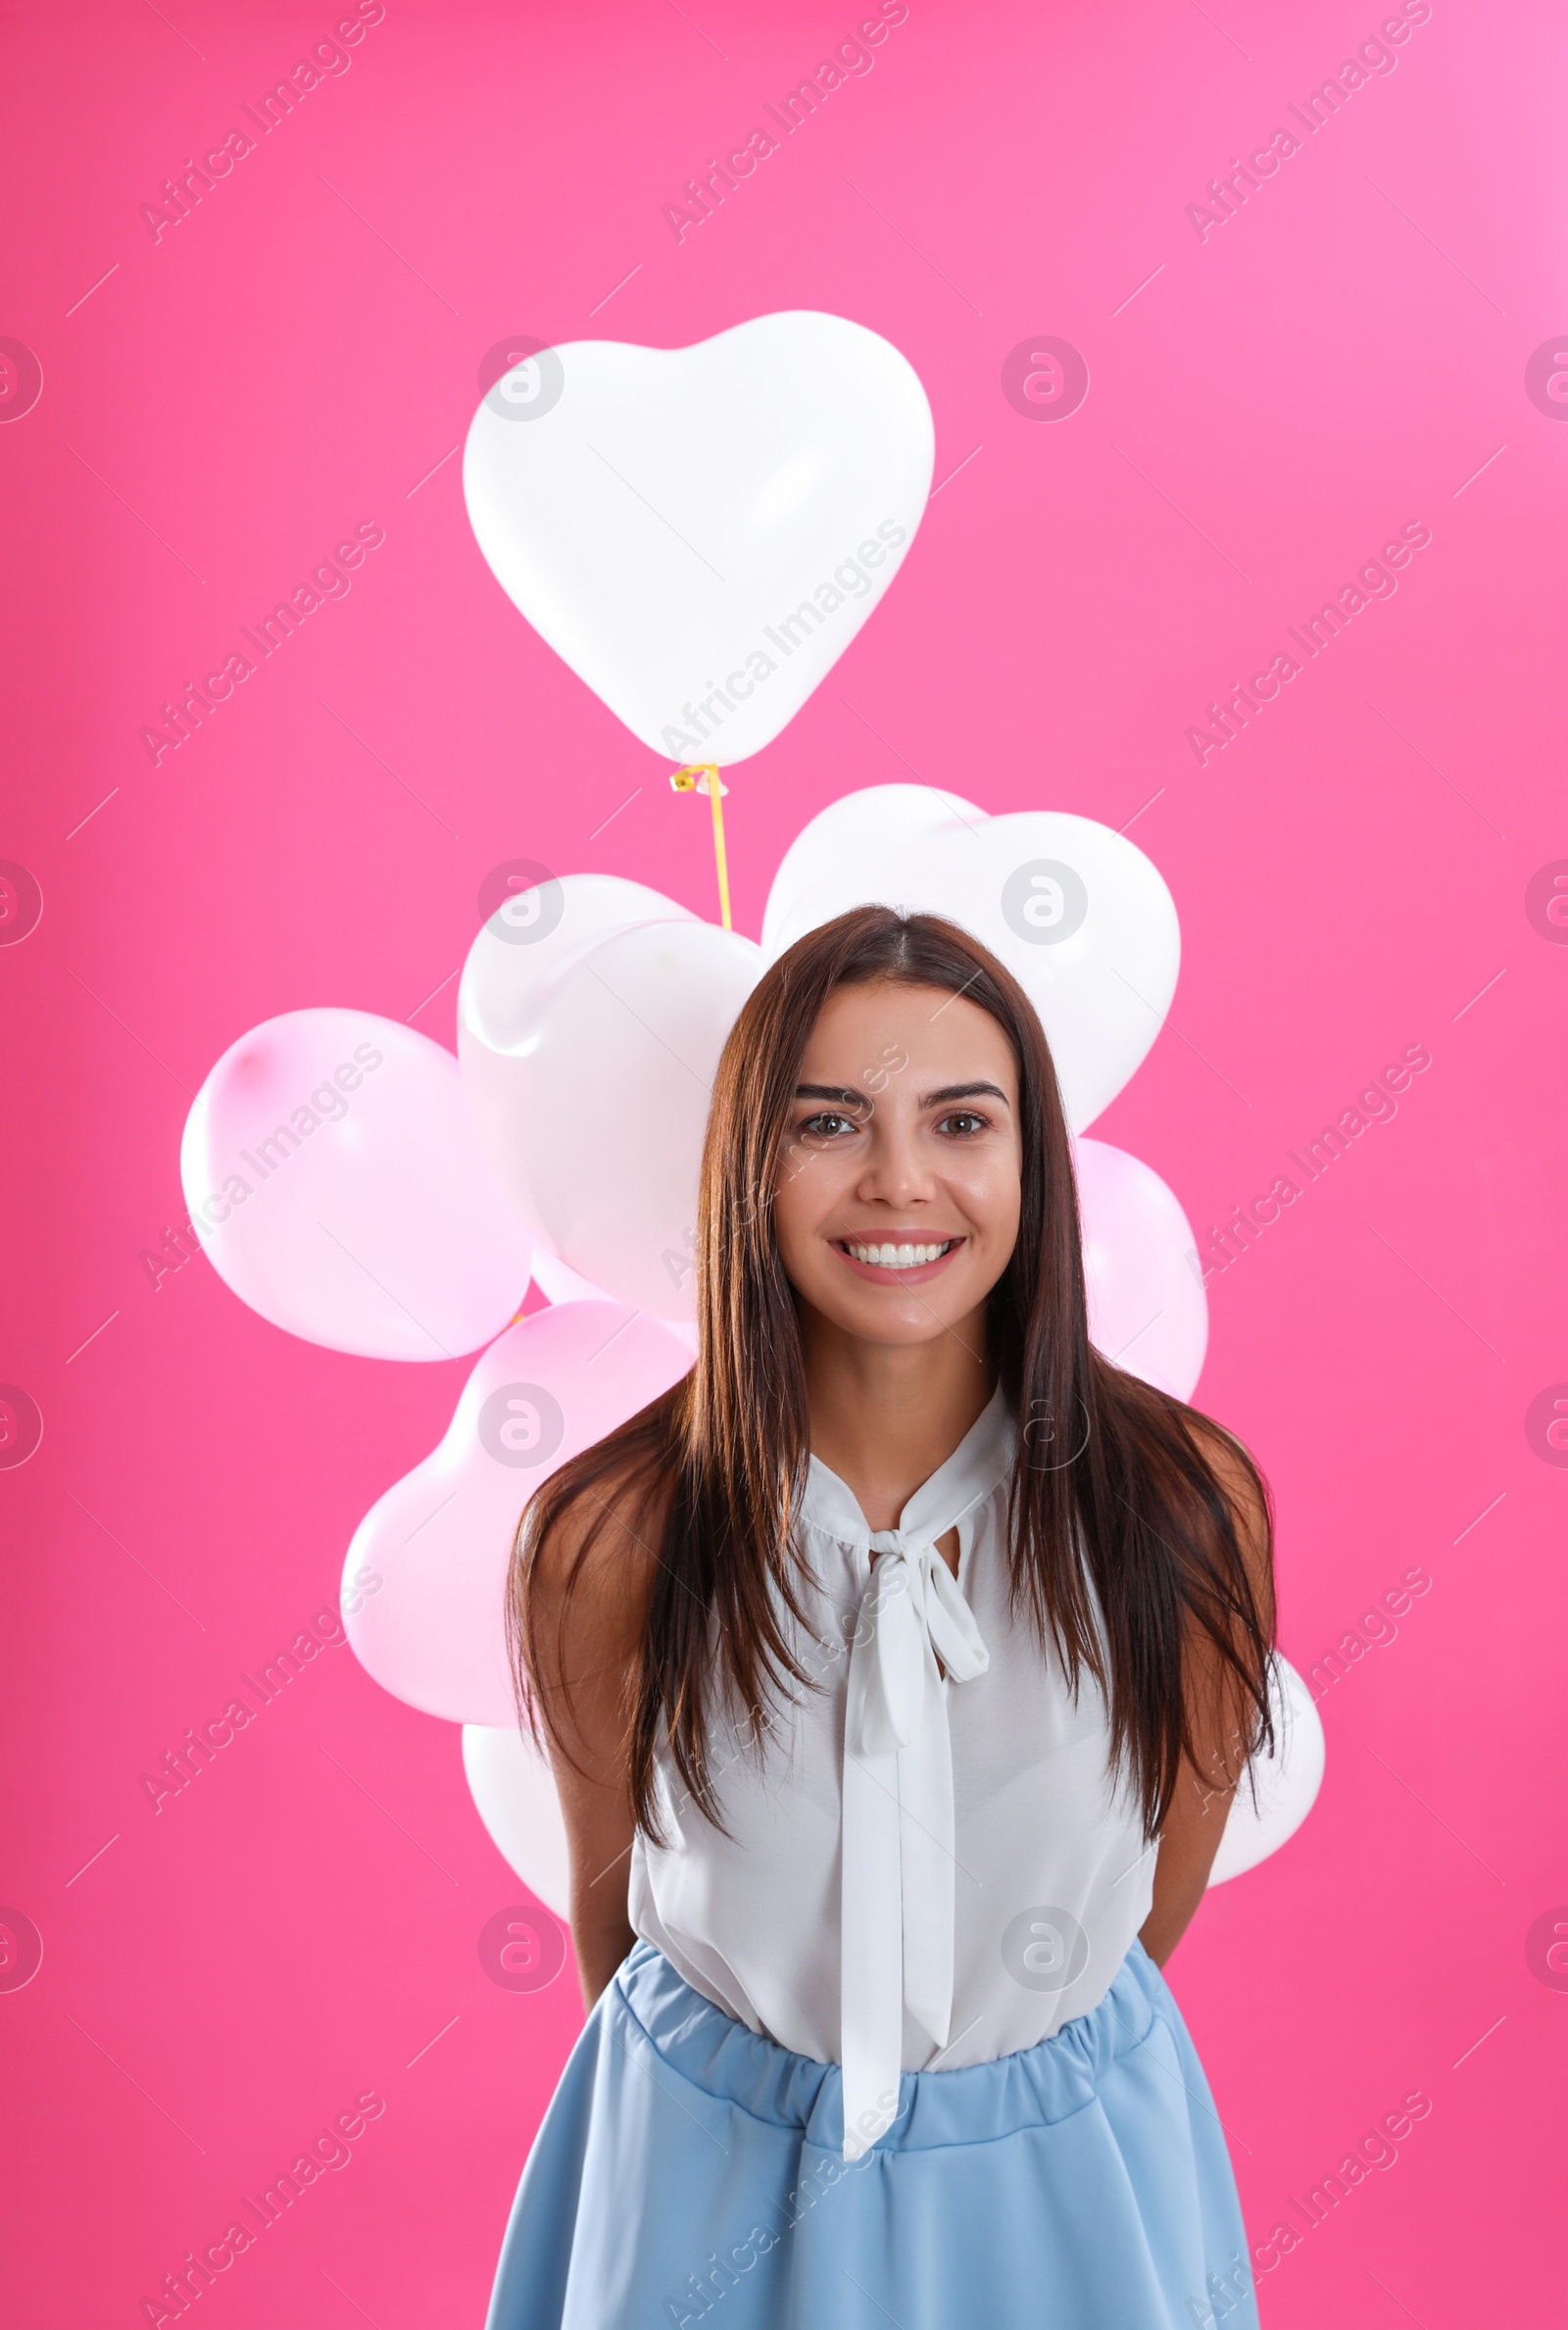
pixel 898 1824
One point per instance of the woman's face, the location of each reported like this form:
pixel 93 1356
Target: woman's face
pixel 897 1207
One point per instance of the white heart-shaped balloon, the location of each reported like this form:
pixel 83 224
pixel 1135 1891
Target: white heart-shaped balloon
pixel 607 1104
pixel 855 831
pixel 513 1791
pixel 699 532
pixel 534 935
pixel 558 1283
pixel 1287 1782
pixel 1077 913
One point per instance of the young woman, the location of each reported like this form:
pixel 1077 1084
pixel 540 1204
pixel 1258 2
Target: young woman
pixel 897 1669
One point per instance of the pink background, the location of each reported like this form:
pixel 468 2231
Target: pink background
pixel 1342 357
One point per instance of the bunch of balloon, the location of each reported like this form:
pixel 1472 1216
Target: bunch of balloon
pixel 699 533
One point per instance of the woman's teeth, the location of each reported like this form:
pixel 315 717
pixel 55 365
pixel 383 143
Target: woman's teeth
pixel 888 1256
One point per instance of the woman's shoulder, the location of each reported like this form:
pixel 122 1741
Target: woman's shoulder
pixel 594 1531
pixel 590 1553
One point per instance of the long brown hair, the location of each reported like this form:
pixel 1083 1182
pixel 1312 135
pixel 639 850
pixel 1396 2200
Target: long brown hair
pixel 1117 1496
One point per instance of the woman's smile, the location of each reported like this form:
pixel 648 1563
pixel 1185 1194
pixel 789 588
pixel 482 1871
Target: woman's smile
pixel 897 1258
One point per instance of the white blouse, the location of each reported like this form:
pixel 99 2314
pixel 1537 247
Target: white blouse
pixel 922 1869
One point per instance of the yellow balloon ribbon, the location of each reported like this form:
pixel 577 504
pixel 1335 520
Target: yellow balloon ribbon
pixel 701 776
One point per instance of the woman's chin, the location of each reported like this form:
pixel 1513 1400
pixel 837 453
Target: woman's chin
pixel 896 1316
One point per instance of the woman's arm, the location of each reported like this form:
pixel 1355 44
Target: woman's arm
pixel 1208 1779
pixel 1188 1844
pixel 586 1672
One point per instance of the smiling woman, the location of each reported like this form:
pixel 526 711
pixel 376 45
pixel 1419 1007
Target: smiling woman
pixel 905 1724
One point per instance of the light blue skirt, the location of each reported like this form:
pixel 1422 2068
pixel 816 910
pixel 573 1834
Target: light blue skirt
pixel 688 2172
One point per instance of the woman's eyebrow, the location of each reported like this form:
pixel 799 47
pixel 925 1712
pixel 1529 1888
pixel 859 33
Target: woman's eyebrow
pixel 951 1092
pixel 845 1094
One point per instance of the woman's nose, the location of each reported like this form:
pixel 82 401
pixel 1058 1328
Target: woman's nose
pixel 893 1170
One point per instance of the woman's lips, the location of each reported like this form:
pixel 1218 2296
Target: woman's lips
pixel 880 1274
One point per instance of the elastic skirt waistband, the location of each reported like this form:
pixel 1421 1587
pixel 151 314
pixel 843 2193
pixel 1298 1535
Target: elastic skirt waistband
pixel 971 2104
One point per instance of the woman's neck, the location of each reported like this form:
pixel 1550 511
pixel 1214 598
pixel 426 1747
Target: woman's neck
pixel 886 1415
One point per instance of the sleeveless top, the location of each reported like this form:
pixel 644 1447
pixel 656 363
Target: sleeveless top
pixel 923 1869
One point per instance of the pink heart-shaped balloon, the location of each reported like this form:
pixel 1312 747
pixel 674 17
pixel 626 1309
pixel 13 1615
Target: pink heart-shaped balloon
pixel 1146 1305
pixel 424 1582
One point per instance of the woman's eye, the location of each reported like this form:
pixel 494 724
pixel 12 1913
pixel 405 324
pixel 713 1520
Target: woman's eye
pixel 964 1123
pixel 829 1125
